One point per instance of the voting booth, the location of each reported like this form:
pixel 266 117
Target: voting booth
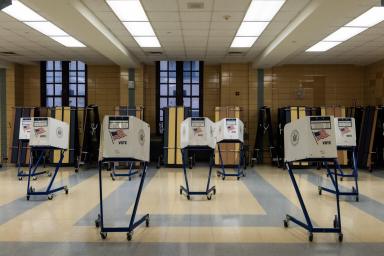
pixel 230 130
pixel 198 135
pixel 49 132
pixel 345 132
pixel 312 139
pixel 25 128
pixel 123 138
pixel 197 131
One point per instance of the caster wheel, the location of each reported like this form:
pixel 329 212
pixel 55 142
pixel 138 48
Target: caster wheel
pixel 97 223
pixel 129 178
pixel 76 170
pixel 341 179
pixel 214 191
pixel 320 191
pixel 335 224
pixel 50 197
pixel 27 198
pixel 103 235
pixel 31 189
pixel 129 235
pixel 34 178
pixel 188 197
pixel 357 199
pixel 285 223
pixel 49 174
pixel 20 178
pixel 310 237
pixel 147 222
pixel 238 178
pixel 341 237
pixel 223 178
pixel 181 191
pixel 66 190
pixel 209 197
pixel 218 174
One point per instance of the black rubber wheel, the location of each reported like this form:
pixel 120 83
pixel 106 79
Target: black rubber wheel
pixel 218 174
pixel 209 197
pixel 341 179
pixel 50 197
pixel 341 237
pixel 285 223
pixel 129 235
pixel 27 198
pixel 103 235
pixel 66 190
pixel 357 198
pixel 310 237
pixel 31 189
pixel 188 197
pixel 320 190
pixel 76 170
pixel 238 177
pixel 34 178
pixel 147 222
pixel 181 191
pixel 214 191
pixel 129 178
pixel 20 178
pixel 223 178
pixel 49 174
pixel 97 223
pixel 335 224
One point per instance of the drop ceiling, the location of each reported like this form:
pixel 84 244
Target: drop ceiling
pixel 203 34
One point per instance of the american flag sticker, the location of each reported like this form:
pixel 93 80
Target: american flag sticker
pixel 118 134
pixel 344 130
pixel 39 131
pixel 320 135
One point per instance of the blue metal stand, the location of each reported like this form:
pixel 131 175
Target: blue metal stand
pixel 209 190
pixel 99 222
pixel 20 172
pixel 308 222
pixel 240 171
pixel 130 173
pixel 49 191
pixel 354 174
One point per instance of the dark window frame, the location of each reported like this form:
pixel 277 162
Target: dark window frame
pixel 179 89
pixel 65 84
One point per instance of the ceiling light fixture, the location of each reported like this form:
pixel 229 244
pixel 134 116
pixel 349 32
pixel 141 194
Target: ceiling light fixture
pixel 131 13
pixel 368 19
pixel 29 17
pixel 258 16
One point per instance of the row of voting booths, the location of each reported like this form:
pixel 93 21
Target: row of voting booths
pixel 174 116
pixel 317 139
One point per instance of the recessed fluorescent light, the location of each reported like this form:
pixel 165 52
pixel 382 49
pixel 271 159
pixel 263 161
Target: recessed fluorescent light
pixel 21 12
pixel 128 10
pixel 263 10
pixel 343 34
pixel 251 28
pixel 139 28
pixel 370 18
pixel 243 42
pixel 47 28
pixel 68 41
pixel 148 41
pixel 322 46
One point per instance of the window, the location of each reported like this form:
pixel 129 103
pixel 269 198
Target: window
pixel 63 83
pixel 191 86
pixel 54 84
pixel 77 84
pixel 179 84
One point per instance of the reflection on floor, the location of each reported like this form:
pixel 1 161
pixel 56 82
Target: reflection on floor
pixel 243 218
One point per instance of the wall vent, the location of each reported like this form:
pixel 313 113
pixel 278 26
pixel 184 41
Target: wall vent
pixel 195 5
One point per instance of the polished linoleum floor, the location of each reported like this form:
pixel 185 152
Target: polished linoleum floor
pixel 244 218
